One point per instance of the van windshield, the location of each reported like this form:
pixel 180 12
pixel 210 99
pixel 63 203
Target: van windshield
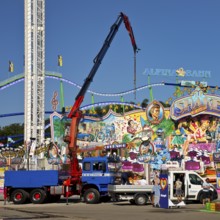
pixel 194 179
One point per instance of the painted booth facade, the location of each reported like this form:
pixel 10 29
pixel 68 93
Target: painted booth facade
pixel 185 135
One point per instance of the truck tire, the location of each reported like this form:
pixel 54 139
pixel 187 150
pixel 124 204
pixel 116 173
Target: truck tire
pixel 91 196
pixel 38 196
pixel 19 196
pixel 141 199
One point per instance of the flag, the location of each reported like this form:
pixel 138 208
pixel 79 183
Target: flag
pixel 11 67
pixel 60 60
pixel 10 140
pixel 130 32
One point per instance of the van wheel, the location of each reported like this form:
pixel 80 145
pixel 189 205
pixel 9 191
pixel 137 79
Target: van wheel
pixel 19 196
pixel 38 196
pixel 91 196
pixel 141 199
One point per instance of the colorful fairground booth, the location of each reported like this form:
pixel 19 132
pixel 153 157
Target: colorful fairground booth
pixel 197 131
pixel 186 135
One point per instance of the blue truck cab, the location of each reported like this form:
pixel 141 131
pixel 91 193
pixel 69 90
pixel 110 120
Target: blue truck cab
pixel 39 186
pixel 97 174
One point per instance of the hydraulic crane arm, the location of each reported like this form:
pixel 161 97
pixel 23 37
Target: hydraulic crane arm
pixel 75 114
pixel 97 61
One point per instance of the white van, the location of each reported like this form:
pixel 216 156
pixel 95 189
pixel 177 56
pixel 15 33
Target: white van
pixel 191 187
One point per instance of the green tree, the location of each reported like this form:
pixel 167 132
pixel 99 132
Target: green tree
pixel 11 130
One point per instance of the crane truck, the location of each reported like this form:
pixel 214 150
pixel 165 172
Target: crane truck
pixel 89 182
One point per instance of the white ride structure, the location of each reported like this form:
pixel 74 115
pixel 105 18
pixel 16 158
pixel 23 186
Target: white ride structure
pixel 34 92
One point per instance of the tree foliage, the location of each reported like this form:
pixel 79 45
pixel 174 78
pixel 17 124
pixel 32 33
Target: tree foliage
pixel 16 131
pixel 11 131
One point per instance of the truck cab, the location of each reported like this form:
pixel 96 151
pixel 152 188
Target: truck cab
pixel 97 174
pixel 191 187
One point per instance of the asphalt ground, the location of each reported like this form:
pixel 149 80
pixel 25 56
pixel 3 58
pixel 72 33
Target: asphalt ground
pixel 77 210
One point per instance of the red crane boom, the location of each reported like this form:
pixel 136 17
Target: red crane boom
pixel 75 114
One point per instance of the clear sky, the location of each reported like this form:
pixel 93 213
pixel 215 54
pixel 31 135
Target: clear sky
pixel 170 33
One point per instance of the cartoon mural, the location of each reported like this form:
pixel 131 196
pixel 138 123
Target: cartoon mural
pixel 132 135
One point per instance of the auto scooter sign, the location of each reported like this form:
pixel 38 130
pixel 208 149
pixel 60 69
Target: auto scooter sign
pixel 164 198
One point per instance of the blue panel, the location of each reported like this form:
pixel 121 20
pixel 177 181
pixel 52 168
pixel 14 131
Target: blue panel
pixel 30 179
pixel 164 198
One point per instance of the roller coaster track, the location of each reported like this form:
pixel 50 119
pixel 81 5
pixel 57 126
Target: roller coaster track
pixel 57 76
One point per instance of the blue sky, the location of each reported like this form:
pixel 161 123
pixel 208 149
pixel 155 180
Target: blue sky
pixel 171 34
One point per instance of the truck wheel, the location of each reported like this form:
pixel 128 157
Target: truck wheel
pixel 91 196
pixel 19 196
pixel 140 199
pixel 38 196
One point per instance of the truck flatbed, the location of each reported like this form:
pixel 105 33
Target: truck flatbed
pixel 135 194
pixel 129 188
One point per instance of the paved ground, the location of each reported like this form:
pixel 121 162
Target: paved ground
pixel 105 211
pixel 109 211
